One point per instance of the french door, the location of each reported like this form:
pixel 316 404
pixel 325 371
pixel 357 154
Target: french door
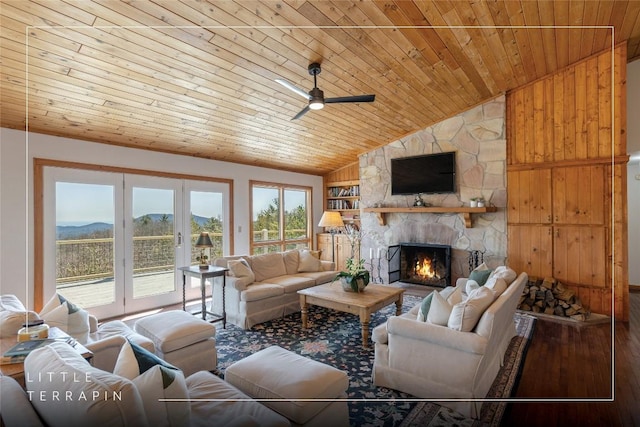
pixel 113 241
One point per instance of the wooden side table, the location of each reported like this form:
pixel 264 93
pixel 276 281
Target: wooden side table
pixel 203 274
pixel 16 370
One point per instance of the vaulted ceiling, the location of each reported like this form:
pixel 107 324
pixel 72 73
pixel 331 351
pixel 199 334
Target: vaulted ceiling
pixel 197 77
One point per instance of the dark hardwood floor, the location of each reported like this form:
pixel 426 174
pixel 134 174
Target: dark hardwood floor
pixel 570 363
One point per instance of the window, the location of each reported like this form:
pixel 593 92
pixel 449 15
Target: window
pixel 281 217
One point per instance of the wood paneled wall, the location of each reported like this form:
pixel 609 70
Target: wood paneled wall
pixel 566 180
pixel 351 172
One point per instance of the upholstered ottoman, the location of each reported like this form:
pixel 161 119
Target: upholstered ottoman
pixel 276 373
pixel 181 339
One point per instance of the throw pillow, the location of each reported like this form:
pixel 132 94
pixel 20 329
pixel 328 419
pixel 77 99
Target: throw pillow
pixel 439 310
pixel 424 307
pixel 241 268
pixel 308 262
pixel 164 396
pixel 497 285
pixel 60 312
pixel 12 315
pixel 134 360
pixel 505 273
pixel 156 380
pixel 480 276
pixel 465 315
pixel 471 286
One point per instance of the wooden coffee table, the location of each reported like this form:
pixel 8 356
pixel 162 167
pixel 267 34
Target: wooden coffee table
pixel 331 295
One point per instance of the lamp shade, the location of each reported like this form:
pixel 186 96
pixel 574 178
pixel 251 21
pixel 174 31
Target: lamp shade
pixel 331 219
pixel 204 241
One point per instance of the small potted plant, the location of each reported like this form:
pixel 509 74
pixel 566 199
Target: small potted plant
pixel 356 278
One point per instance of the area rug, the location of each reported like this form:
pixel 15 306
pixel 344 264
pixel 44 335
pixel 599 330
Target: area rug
pixel 334 338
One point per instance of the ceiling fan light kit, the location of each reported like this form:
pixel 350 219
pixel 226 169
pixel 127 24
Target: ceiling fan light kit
pixel 316 96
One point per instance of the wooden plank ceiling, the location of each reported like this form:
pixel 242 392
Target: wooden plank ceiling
pixel 198 78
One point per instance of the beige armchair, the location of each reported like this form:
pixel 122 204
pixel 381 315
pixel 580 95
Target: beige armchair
pixel 437 362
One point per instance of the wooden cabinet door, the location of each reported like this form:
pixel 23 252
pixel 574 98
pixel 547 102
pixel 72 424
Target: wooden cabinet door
pixel 324 245
pixel 579 255
pixel 529 196
pixel 531 249
pixel 579 195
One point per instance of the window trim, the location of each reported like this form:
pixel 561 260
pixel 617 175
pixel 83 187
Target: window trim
pixel 282 242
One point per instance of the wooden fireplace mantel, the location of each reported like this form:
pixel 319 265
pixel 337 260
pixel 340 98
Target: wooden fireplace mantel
pixel 465 211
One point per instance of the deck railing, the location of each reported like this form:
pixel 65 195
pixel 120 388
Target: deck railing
pixel 81 260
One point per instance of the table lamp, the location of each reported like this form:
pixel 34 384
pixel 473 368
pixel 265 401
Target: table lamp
pixel 204 241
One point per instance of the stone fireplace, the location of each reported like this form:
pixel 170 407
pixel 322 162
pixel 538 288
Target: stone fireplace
pixel 477 136
pixel 421 263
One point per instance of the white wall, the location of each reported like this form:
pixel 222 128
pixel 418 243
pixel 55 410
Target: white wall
pixel 16 191
pixel 633 169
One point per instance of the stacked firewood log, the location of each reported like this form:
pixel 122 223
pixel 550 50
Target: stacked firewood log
pixel 549 296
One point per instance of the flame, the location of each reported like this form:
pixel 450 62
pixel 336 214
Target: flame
pixel 425 269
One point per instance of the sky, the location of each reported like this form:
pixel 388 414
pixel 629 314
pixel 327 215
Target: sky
pixel 80 204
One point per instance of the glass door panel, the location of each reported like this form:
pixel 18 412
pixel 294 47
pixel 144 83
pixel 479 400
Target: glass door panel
pixel 85 216
pixel 151 242
pixel 207 208
pixel 81 211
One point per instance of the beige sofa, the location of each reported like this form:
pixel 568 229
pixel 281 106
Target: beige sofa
pixel 432 361
pixel 63 389
pixel 269 291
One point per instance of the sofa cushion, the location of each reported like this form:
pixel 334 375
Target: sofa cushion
pixel 76 393
pixel 257 291
pixel 267 266
pixel 60 312
pixel 241 269
pixel 319 277
pixel 292 284
pixel 291 260
pixel 16 407
pixel 470 286
pixel 12 315
pixel 308 262
pixel 465 315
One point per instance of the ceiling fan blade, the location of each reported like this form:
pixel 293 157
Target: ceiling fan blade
pixel 356 98
pixel 294 88
pixel 301 113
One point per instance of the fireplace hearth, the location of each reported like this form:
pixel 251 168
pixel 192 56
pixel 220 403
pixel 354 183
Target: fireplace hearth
pixel 420 263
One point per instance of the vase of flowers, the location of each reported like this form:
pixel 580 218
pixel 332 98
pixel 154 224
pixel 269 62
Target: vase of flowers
pixel 355 278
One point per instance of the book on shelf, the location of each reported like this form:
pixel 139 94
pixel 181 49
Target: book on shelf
pixel 21 350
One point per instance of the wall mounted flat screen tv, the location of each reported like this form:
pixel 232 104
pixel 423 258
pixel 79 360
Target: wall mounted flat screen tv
pixel 430 173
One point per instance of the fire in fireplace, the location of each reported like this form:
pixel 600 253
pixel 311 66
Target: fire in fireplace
pixel 424 264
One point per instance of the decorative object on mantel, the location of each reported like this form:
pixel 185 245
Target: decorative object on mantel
pixel 204 241
pixel 419 202
pixel 477 202
pixel 356 278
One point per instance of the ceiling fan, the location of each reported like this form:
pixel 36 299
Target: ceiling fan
pixel 316 96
